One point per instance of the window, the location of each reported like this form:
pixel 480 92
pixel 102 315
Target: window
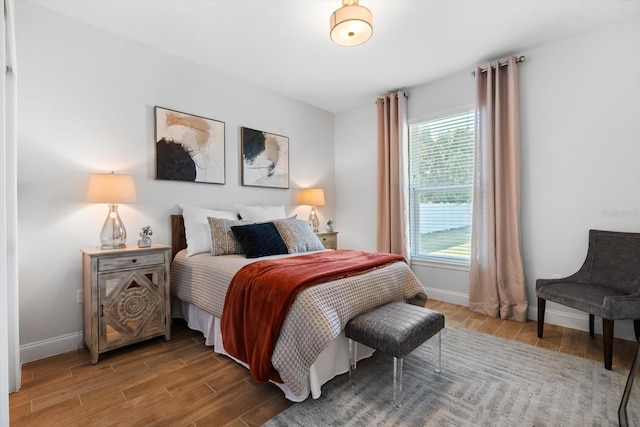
pixel 441 171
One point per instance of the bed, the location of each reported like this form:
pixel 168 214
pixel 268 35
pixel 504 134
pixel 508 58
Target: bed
pixel 311 348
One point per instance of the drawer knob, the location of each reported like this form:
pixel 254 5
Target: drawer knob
pixel 134 260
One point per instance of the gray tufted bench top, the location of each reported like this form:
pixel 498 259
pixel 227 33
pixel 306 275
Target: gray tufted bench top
pixel 395 329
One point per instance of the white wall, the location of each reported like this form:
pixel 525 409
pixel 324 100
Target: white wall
pixel 580 145
pixel 10 371
pixel 356 183
pixel 86 101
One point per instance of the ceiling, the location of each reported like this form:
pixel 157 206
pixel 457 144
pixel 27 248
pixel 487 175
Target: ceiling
pixel 284 45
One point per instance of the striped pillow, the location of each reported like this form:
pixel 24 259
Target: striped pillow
pixel 223 241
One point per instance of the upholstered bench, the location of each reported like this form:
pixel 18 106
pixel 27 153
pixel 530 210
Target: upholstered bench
pixel 395 329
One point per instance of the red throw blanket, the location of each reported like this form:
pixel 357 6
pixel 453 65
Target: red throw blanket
pixel 260 294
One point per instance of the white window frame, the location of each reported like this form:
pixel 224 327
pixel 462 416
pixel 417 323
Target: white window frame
pixel 426 260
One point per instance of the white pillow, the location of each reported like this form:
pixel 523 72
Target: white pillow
pixel 196 227
pixel 261 213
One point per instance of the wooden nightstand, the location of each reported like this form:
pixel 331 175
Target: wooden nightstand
pixel 329 240
pixel 125 296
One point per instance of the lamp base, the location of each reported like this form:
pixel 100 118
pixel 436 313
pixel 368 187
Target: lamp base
pixel 107 247
pixel 113 234
pixel 313 220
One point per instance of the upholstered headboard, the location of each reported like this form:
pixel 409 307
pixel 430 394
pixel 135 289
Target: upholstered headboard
pixel 178 237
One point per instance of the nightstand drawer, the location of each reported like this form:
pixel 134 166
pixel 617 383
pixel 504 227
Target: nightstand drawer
pixel 116 263
pixel 329 240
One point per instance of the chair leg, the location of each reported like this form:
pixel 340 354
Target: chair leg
pixel 636 328
pixel 607 334
pixel 397 381
pixel 591 322
pixel 541 307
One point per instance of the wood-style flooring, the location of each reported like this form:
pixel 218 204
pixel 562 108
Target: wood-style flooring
pixel 182 382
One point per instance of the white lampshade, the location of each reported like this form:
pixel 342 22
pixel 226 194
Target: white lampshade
pixel 112 189
pixel 351 25
pixel 312 197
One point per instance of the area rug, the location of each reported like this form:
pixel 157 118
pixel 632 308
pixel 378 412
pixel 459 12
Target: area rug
pixel 485 381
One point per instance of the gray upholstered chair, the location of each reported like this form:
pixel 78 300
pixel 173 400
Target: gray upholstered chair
pixel 607 285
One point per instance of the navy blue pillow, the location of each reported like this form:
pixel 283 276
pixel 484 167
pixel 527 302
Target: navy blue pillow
pixel 259 240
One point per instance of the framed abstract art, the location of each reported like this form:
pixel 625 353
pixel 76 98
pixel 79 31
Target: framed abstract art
pixel 265 159
pixel 189 147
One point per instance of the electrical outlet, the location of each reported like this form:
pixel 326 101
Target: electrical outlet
pixel 79 296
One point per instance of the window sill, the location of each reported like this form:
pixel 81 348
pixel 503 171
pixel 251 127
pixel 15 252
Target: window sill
pixel 446 264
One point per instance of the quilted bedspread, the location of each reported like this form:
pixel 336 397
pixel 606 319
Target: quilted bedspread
pixel 316 317
pixel 261 293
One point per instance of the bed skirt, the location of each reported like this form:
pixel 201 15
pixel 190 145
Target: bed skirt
pixel 332 361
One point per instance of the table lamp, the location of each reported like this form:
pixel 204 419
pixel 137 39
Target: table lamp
pixel 112 189
pixel 313 197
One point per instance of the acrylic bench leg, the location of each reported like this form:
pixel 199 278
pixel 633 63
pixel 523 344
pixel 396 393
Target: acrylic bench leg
pixel 352 363
pixel 439 368
pixel 397 381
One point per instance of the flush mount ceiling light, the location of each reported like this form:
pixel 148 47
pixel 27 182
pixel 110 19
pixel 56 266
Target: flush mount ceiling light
pixel 351 24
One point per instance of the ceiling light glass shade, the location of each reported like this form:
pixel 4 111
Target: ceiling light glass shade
pixel 351 25
pixel 112 189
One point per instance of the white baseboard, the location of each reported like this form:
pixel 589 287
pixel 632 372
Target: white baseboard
pixel 579 321
pixel 51 347
pixel 623 328
pixel 448 296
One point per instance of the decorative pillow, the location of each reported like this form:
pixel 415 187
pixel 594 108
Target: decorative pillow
pixel 223 241
pixel 298 235
pixel 196 227
pixel 258 240
pixel 261 213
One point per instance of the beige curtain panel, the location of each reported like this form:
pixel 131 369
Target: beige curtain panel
pixel 496 285
pixel 393 173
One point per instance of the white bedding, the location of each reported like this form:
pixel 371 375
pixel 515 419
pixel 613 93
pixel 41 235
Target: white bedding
pixel 311 348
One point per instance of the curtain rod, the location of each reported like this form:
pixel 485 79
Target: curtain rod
pixel 382 98
pixel 501 64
